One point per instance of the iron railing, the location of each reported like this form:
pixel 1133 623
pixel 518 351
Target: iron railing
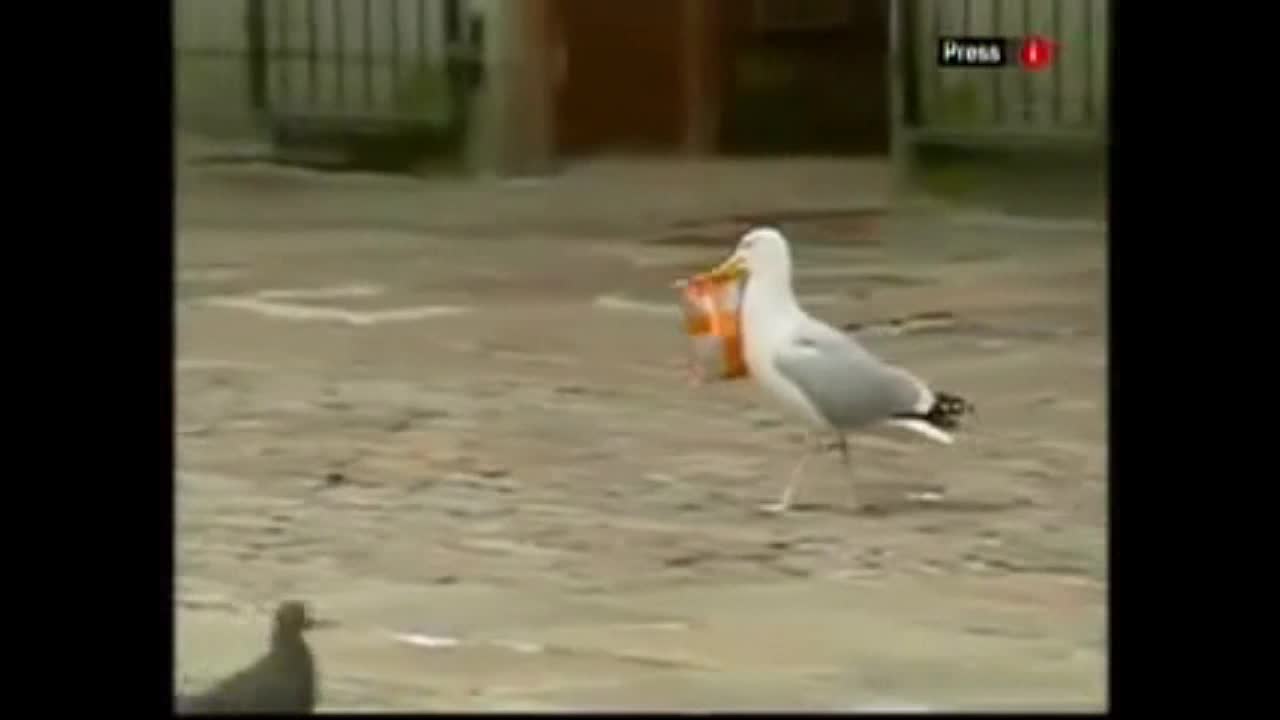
pixel 1066 101
pixel 366 61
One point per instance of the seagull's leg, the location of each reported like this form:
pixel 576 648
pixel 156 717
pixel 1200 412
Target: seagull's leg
pixel 844 458
pixel 784 503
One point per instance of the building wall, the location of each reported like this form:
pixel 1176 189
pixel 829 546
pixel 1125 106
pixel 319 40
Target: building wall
pixel 1071 95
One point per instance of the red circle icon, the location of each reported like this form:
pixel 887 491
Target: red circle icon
pixel 1037 52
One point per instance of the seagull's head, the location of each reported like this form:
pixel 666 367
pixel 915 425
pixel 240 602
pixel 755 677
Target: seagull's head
pixel 762 252
pixel 292 618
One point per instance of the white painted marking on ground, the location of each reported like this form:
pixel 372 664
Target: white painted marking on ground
pixel 427 641
pixel 208 275
pixel 617 302
pixel 928 496
pixel 436 642
pixel 216 364
pixel 293 311
pixel 524 648
pixel 340 291
pixel 262 303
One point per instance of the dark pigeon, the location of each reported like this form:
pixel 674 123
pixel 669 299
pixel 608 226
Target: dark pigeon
pixel 281 681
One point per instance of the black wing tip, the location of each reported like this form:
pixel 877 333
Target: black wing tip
pixel 948 409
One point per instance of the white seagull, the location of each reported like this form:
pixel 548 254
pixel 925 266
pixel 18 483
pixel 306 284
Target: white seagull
pixel 817 373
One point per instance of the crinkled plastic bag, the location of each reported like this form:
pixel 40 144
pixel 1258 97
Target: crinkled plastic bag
pixel 712 320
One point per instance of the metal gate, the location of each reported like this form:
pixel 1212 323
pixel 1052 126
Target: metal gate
pixel 1066 102
pixel 325 71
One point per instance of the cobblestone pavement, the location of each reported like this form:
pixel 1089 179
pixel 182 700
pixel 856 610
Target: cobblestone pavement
pixel 453 417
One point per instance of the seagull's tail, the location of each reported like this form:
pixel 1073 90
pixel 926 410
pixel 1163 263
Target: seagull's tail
pixel 944 414
pixel 946 411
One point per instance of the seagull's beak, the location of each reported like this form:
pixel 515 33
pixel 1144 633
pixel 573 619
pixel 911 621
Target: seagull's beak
pixel 731 269
pixel 315 623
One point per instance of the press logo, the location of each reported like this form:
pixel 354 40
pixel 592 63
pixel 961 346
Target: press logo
pixel 1031 53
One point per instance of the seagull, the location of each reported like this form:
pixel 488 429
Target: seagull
pixel 281 681
pixel 818 374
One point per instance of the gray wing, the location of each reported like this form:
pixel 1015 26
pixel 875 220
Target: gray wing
pixel 848 385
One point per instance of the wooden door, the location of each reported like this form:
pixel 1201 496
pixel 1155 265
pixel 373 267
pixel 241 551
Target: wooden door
pixel 622 88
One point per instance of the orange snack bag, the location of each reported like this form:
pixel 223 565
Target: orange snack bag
pixel 711 314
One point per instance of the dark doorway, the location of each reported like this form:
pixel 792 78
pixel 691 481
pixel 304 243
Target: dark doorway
pixel 806 76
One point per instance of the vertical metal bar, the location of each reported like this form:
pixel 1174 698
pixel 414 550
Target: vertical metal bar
pixel 255 20
pixel 909 48
pixel 452 22
pixel 368 53
pixel 933 70
pixel 395 47
pixel 897 123
pixel 453 37
pixel 1108 100
pixel 997 78
pixel 1088 61
pixel 901 50
pixel 339 41
pixel 422 35
pixel 282 52
pixel 1057 66
pixel 966 24
pixel 1026 76
pixel 313 29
